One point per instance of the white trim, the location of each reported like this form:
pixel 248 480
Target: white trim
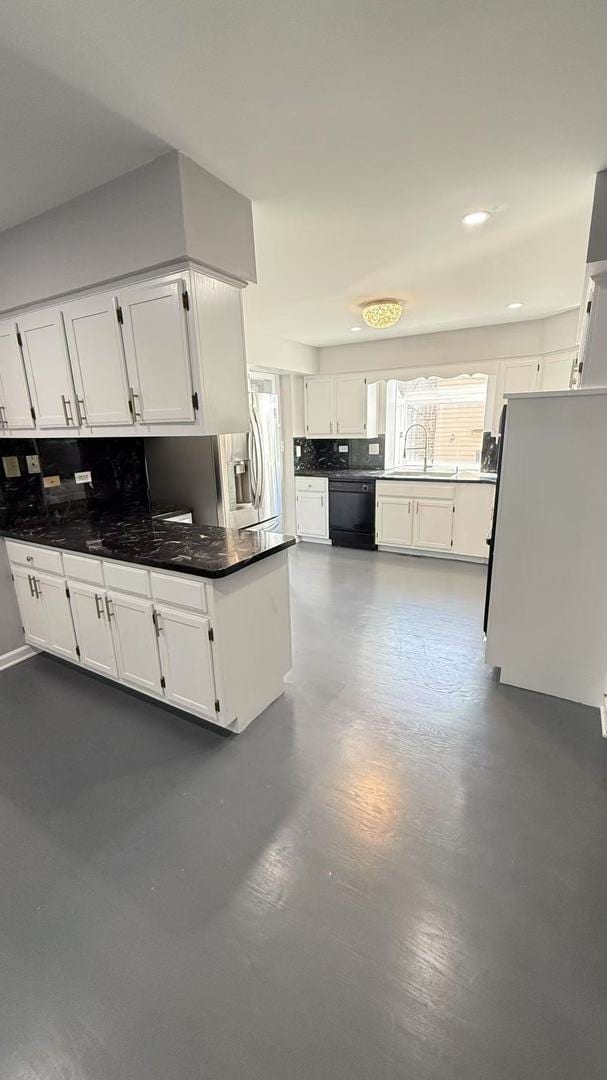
pixel 603 712
pixel 314 539
pixel 16 656
pixel 425 554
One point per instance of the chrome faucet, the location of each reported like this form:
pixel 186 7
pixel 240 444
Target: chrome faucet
pixel 425 431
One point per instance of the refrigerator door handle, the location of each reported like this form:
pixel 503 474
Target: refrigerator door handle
pixel 251 445
pixel 259 443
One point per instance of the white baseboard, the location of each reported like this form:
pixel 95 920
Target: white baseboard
pixel 16 656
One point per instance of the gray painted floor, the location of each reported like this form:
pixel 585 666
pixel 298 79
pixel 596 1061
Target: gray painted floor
pixel 398 872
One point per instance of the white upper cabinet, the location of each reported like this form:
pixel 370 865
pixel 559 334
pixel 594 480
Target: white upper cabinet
pixel 557 371
pixel 48 367
pixel 351 406
pixel 341 405
pixel 15 404
pixel 95 346
pixel 320 406
pixel 158 352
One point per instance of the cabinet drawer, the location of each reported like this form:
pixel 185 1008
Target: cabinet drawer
pixel 130 579
pixel 183 591
pixel 415 489
pixel 81 568
pixel 311 483
pixel 39 558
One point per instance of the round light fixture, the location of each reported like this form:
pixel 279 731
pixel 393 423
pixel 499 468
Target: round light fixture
pixel 476 217
pixel 515 305
pixel 380 314
pixel 356 329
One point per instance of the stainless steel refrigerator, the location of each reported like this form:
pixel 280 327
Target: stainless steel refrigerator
pixel 229 480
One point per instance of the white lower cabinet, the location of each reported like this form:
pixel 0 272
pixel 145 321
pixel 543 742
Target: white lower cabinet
pixel 135 640
pixel 30 607
pixel 170 635
pixel 186 658
pixel 394 522
pixel 93 630
pixel 433 524
pixel 451 519
pixel 53 597
pixel 312 507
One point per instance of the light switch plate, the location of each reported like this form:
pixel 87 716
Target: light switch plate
pixel 298 451
pixel 82 477
pixel 33 463
pixel 343 449
pixel 11 466
pixel 51 481
pixel 373 448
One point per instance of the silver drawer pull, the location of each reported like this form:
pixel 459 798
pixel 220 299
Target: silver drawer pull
pixel 99 606
pixel 31 584
pixel 133 399
pixel 109 607
pixel 81 410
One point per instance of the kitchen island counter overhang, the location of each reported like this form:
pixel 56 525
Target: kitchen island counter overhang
pixel 195 616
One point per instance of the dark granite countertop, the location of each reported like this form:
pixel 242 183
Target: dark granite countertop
pixel 203 550
pixel 380 474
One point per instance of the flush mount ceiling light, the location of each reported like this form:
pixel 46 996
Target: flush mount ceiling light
pixel 476 217
pixel 515 305
pixel 380 314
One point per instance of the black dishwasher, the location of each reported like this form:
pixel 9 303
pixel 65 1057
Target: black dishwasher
pixel 352 513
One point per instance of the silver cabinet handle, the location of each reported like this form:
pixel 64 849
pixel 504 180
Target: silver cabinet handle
pixel 322 500
pixel 330 427
pixel 31 584
pixel 69 417
pixel 99 606
pixel 37 589
pixel 157 626
pixel 409 510
pixel 81 410
pixel 3 420
pixel 109 607
pixel 133 399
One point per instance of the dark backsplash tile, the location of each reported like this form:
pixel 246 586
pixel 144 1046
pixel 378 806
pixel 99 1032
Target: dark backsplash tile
pixel 325 454
pixel 118 478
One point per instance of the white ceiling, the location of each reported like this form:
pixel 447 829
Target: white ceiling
pixel 362 130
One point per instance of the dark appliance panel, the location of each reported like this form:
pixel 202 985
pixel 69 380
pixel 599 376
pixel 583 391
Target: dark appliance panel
pixel 352 513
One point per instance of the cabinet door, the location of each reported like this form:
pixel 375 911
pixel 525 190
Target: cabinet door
pixel 312 514
pixel 158 352
pixel 58 615
pixel 351 406
pixel 472 519
pixel 14 394
pixel 186 659
pixel 135 640
pixel 30 607
pixel 95 345
pixel 48 367
pixel 319 405
pixel 433 524
pixel 92 628
pixel 556 372
pixel 394 521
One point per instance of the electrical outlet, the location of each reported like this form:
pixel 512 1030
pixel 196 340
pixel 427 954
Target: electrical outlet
pixel 33 463
pixel 343 449
pixel 374 448
pixel 11 466
pixel 82 477
pixel 51 481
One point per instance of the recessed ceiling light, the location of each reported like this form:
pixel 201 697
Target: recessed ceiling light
pixel 515 305
pixel 356 329
pixel 476 217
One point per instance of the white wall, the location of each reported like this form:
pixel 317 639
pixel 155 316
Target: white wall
pixel 163 211
pixel 11 634
pixel 477 345
pixel 267 353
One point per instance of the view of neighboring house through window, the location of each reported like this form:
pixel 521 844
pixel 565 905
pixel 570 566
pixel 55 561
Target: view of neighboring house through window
pixel 451 413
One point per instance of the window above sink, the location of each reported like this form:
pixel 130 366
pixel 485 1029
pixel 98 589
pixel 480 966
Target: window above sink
pixel 447 414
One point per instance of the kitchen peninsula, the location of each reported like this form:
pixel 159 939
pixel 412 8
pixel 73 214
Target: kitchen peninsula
pixel 195 616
